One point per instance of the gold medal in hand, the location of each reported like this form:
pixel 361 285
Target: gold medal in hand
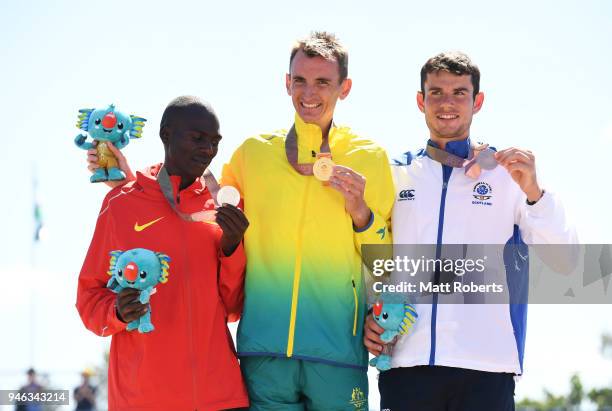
pixel 323 168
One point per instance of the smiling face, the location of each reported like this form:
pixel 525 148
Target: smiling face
pixel 448 103
pixel 191 140
pixel 108 124
pixel 315 87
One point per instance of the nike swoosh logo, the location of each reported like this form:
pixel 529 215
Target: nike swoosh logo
pixel 139 228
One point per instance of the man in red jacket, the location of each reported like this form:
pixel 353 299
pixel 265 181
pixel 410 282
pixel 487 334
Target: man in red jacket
pixel 188 362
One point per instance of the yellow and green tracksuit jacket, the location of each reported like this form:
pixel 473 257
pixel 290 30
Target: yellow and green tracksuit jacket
pixel 304 293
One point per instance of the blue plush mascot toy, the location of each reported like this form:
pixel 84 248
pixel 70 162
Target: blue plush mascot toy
pixel 141 269
pixel 107 124
pixel 396 317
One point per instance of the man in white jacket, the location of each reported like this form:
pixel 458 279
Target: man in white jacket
pixel 463 356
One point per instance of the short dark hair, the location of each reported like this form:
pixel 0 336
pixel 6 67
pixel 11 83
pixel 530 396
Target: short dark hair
pixel 454 62
pixel 326 45
pixel 182 104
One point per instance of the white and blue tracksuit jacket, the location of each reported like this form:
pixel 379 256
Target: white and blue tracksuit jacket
pixel 437 204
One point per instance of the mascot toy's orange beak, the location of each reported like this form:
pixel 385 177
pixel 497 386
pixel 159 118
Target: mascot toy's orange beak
pixel 131 272
pixel 109 120
pixel 378 308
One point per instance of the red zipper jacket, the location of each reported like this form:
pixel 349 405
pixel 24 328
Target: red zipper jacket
pixel 188 362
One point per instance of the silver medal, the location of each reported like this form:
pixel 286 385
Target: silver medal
pixel 486 159
pixel 228 195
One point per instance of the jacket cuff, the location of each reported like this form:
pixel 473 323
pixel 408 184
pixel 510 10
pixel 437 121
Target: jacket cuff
pixel 114 324
pixel 368 225
pixel 237 257
pixel 543 206
pixel 375 232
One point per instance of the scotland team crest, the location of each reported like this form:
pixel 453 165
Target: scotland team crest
pixel 482 191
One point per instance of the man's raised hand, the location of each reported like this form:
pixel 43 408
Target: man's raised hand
pixel 352 186
pixel 92 164
pixel 234 223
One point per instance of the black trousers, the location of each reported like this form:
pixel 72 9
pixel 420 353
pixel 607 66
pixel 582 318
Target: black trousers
pixel 426 388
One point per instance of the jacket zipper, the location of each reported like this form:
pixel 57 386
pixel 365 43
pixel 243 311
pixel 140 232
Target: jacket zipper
pixel 189 316
pixel 446 173
pixel 356 308
pixel 297 271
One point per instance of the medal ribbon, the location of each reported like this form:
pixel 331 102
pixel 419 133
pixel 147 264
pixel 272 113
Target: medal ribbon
pixel 166 187
pixel 471 166
pixel 291 151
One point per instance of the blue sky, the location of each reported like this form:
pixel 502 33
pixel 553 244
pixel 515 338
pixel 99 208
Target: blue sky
pixel 544 73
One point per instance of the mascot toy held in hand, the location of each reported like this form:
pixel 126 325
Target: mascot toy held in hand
pixel 107 125
pixel 141 269
pixel 396 318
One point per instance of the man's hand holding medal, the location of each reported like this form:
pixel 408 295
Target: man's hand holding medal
pixel 352 187
pixel 346 181
pixel 521 166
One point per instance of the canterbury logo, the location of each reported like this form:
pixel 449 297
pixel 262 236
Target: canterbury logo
pixel 406 195
pixel 139 228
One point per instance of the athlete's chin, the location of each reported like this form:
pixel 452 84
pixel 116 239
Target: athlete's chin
pixel 455 134
pixel 196 171
pixel 309 117
pixel 200 163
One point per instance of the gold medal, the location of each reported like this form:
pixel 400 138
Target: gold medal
pixel 322 168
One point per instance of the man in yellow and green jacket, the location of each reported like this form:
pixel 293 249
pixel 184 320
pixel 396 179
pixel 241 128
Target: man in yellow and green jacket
pixel 300 337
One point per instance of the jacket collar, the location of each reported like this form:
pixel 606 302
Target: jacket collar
pixel 310 138
pixel 147 180
pixel 460 148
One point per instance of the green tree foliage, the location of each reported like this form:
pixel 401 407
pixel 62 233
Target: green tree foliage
pixel 551 403
pixel 576 394
pixel 602 398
